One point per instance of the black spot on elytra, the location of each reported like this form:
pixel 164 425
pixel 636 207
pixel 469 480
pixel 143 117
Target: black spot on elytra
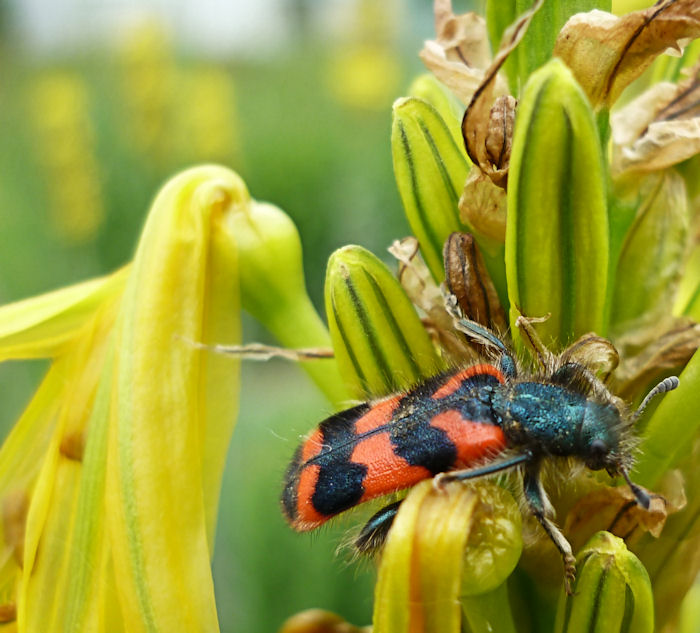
pixel 339 485
pixel 422 444
pixel 339 488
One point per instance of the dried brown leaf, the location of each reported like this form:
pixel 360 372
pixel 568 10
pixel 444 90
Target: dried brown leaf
pixel 499 136
pixel 477 124
pixel 616 510
pixel 659 128
pixel 607 53
pixel 648 354
pixel 462 37
pixel 483 206
pixel 460 52
pixel 594 352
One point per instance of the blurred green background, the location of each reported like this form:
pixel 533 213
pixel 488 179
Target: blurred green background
pixel 101 103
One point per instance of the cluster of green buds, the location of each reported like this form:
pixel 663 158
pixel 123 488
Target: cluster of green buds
pixel 533 197
pixel 538 201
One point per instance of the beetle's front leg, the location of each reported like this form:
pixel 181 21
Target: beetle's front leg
pixel 539 506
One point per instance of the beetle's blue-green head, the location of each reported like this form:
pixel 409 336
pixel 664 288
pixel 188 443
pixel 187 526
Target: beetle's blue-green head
pixel 605 435
pixel 600 437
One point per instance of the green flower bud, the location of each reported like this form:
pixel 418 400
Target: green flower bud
pixel 557 225
pixel 430 167
pixel 379 341
pixel 689 620
pixel 273 288
pixel 495 541
pixel 652 253
pixel 612 591
pixel 318 621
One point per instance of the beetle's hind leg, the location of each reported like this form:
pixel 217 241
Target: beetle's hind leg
pixel 538 503
pixel 374 533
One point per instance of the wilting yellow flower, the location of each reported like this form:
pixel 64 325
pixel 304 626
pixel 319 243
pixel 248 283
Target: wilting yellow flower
pixel 109 482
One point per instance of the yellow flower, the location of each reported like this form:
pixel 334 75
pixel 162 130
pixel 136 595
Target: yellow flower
pixel 109 482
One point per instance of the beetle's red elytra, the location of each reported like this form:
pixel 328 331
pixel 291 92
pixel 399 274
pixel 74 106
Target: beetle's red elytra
pixel 378 448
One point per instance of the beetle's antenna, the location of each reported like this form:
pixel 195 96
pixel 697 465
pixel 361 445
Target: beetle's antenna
pixel 641 495
pixel 667 384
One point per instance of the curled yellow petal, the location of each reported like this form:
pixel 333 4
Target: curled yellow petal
pixel 40 327
pixel 445 543
pixel 160 426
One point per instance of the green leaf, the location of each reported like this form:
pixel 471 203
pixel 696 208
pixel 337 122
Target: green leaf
pixel 653 251
pixel 670 432
pixel 688 299
pixel 538 43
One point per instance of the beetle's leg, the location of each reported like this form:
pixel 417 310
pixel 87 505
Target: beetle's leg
pixel 545 357
pixel 472 473
pixel 539 505
pixel 374 533
pixel 487 338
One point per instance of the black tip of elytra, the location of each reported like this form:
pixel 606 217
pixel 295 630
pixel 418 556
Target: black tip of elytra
pixel 291 482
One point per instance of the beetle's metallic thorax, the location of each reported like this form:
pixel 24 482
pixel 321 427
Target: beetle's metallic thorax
pixel 551 419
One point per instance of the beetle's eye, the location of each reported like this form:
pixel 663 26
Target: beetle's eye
pixel 599 448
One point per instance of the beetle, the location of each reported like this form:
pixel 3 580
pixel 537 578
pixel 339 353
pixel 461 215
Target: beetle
pixel 468 423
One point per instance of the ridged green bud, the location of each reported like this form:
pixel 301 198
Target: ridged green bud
pixel 612 592
pixel 430 167
pixel 273 288
pixel 557 225
pixel 649 266
pixel 430 89
pixel 379 341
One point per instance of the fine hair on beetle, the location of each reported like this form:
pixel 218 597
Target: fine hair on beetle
pixel 481 420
